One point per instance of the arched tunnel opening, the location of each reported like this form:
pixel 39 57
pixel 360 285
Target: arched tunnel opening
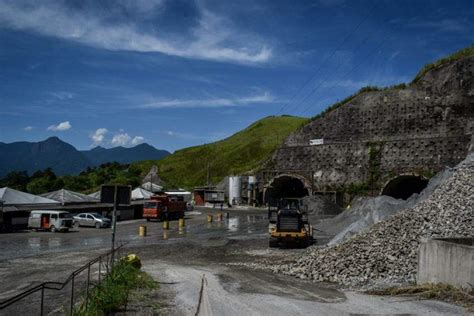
pixel 403 187
pixel 285 187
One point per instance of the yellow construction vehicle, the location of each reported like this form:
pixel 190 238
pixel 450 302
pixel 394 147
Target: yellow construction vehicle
pixel 289 224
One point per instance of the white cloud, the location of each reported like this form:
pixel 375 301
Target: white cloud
pixel 211 103
pixel 121 139
pixel 62 95
pixel 214 38
pixel 99 136
pixel 137 140
pixel 63 126
pixel 28 128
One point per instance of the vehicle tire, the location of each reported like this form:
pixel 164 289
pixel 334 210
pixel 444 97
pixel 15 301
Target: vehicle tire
pixel 147 219
pixel 53 229
pixel 97 225
pixel 272 243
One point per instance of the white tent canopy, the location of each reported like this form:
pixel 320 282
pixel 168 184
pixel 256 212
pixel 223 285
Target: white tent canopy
pixel 66 196
pixel 153 187
pixel 14 197
pixel 141 194
pixel 95 195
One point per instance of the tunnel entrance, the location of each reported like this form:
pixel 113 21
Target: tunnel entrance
pixel 403 187
pixel 285 187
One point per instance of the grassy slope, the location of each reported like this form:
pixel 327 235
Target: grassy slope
pixel 237 154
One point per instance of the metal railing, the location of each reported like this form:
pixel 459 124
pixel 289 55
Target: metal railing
pixel 105 264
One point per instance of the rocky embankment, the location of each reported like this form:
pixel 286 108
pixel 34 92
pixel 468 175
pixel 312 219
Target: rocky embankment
pixel 387 253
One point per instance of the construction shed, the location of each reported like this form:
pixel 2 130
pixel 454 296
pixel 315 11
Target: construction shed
pixel 208 195
pixel 16 205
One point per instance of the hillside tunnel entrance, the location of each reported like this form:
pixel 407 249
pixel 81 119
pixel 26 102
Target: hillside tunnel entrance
pixel 404 186
pixel 285 187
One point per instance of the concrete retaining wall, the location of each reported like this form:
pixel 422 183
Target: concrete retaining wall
pixel 448 261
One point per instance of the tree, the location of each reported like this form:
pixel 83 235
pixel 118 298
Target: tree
pixel 16 180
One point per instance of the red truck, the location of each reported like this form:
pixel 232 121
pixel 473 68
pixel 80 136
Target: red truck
pixel 161 207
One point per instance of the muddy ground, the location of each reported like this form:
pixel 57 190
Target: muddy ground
pixel 179 259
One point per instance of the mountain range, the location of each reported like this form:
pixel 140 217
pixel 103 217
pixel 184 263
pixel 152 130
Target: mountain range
pixel 63 158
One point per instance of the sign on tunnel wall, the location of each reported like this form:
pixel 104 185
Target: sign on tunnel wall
pixel 316 142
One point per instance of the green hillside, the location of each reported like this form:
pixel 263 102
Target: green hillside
pixel 238 154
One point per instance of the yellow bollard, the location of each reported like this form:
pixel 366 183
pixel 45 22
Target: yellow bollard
pixel 209 218
pixel 142 231
pixel 166 224
pixel 220 217
pixel 181 222
pixel 165 235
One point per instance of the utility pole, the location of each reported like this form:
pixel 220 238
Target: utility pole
pixel 208 170
pixel 114 224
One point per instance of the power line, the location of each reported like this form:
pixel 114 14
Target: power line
pixel 352 69
pixel 321 83
pixel 329 57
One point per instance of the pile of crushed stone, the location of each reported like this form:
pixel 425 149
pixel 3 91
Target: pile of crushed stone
pixel 367 211
pixel 387 253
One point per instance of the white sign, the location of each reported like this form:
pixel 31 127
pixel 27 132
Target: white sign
pixel 316 142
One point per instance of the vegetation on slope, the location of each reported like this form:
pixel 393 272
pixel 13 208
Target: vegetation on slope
pixel 465 52
pixel 238 154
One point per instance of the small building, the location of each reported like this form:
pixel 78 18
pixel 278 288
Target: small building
pixel 179 195
pixel 208 194
pixel 16 206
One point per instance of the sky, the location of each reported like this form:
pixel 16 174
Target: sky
pixel 181 73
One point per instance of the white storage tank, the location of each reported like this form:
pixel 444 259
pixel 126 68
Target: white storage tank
pixel 252 180
pixel 235 189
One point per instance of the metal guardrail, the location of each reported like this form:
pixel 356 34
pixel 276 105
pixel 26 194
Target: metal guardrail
pixel 58 286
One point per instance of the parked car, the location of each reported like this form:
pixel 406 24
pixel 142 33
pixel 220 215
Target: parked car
pixel 50 220
pixel 92 219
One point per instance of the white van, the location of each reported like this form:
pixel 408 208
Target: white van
pixel 50 220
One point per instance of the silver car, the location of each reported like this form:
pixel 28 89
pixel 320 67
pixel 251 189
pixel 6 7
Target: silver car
pixel 92 219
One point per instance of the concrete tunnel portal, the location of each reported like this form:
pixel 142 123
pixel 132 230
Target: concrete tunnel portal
pixel 404 186
pixel 286 186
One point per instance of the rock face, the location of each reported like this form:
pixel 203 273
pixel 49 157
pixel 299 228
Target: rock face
pixel 387 253
pixel 379 135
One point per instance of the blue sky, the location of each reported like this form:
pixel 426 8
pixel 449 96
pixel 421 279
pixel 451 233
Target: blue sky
pixel 182 73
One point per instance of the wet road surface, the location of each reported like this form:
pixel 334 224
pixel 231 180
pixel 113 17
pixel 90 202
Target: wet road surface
pixel 26 243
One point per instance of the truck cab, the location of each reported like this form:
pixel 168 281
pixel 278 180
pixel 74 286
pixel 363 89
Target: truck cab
pixel 161 207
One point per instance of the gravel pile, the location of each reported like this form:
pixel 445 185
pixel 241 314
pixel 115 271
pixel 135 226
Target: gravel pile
pixel 367 211
pixel 320 207
pixel 386 254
